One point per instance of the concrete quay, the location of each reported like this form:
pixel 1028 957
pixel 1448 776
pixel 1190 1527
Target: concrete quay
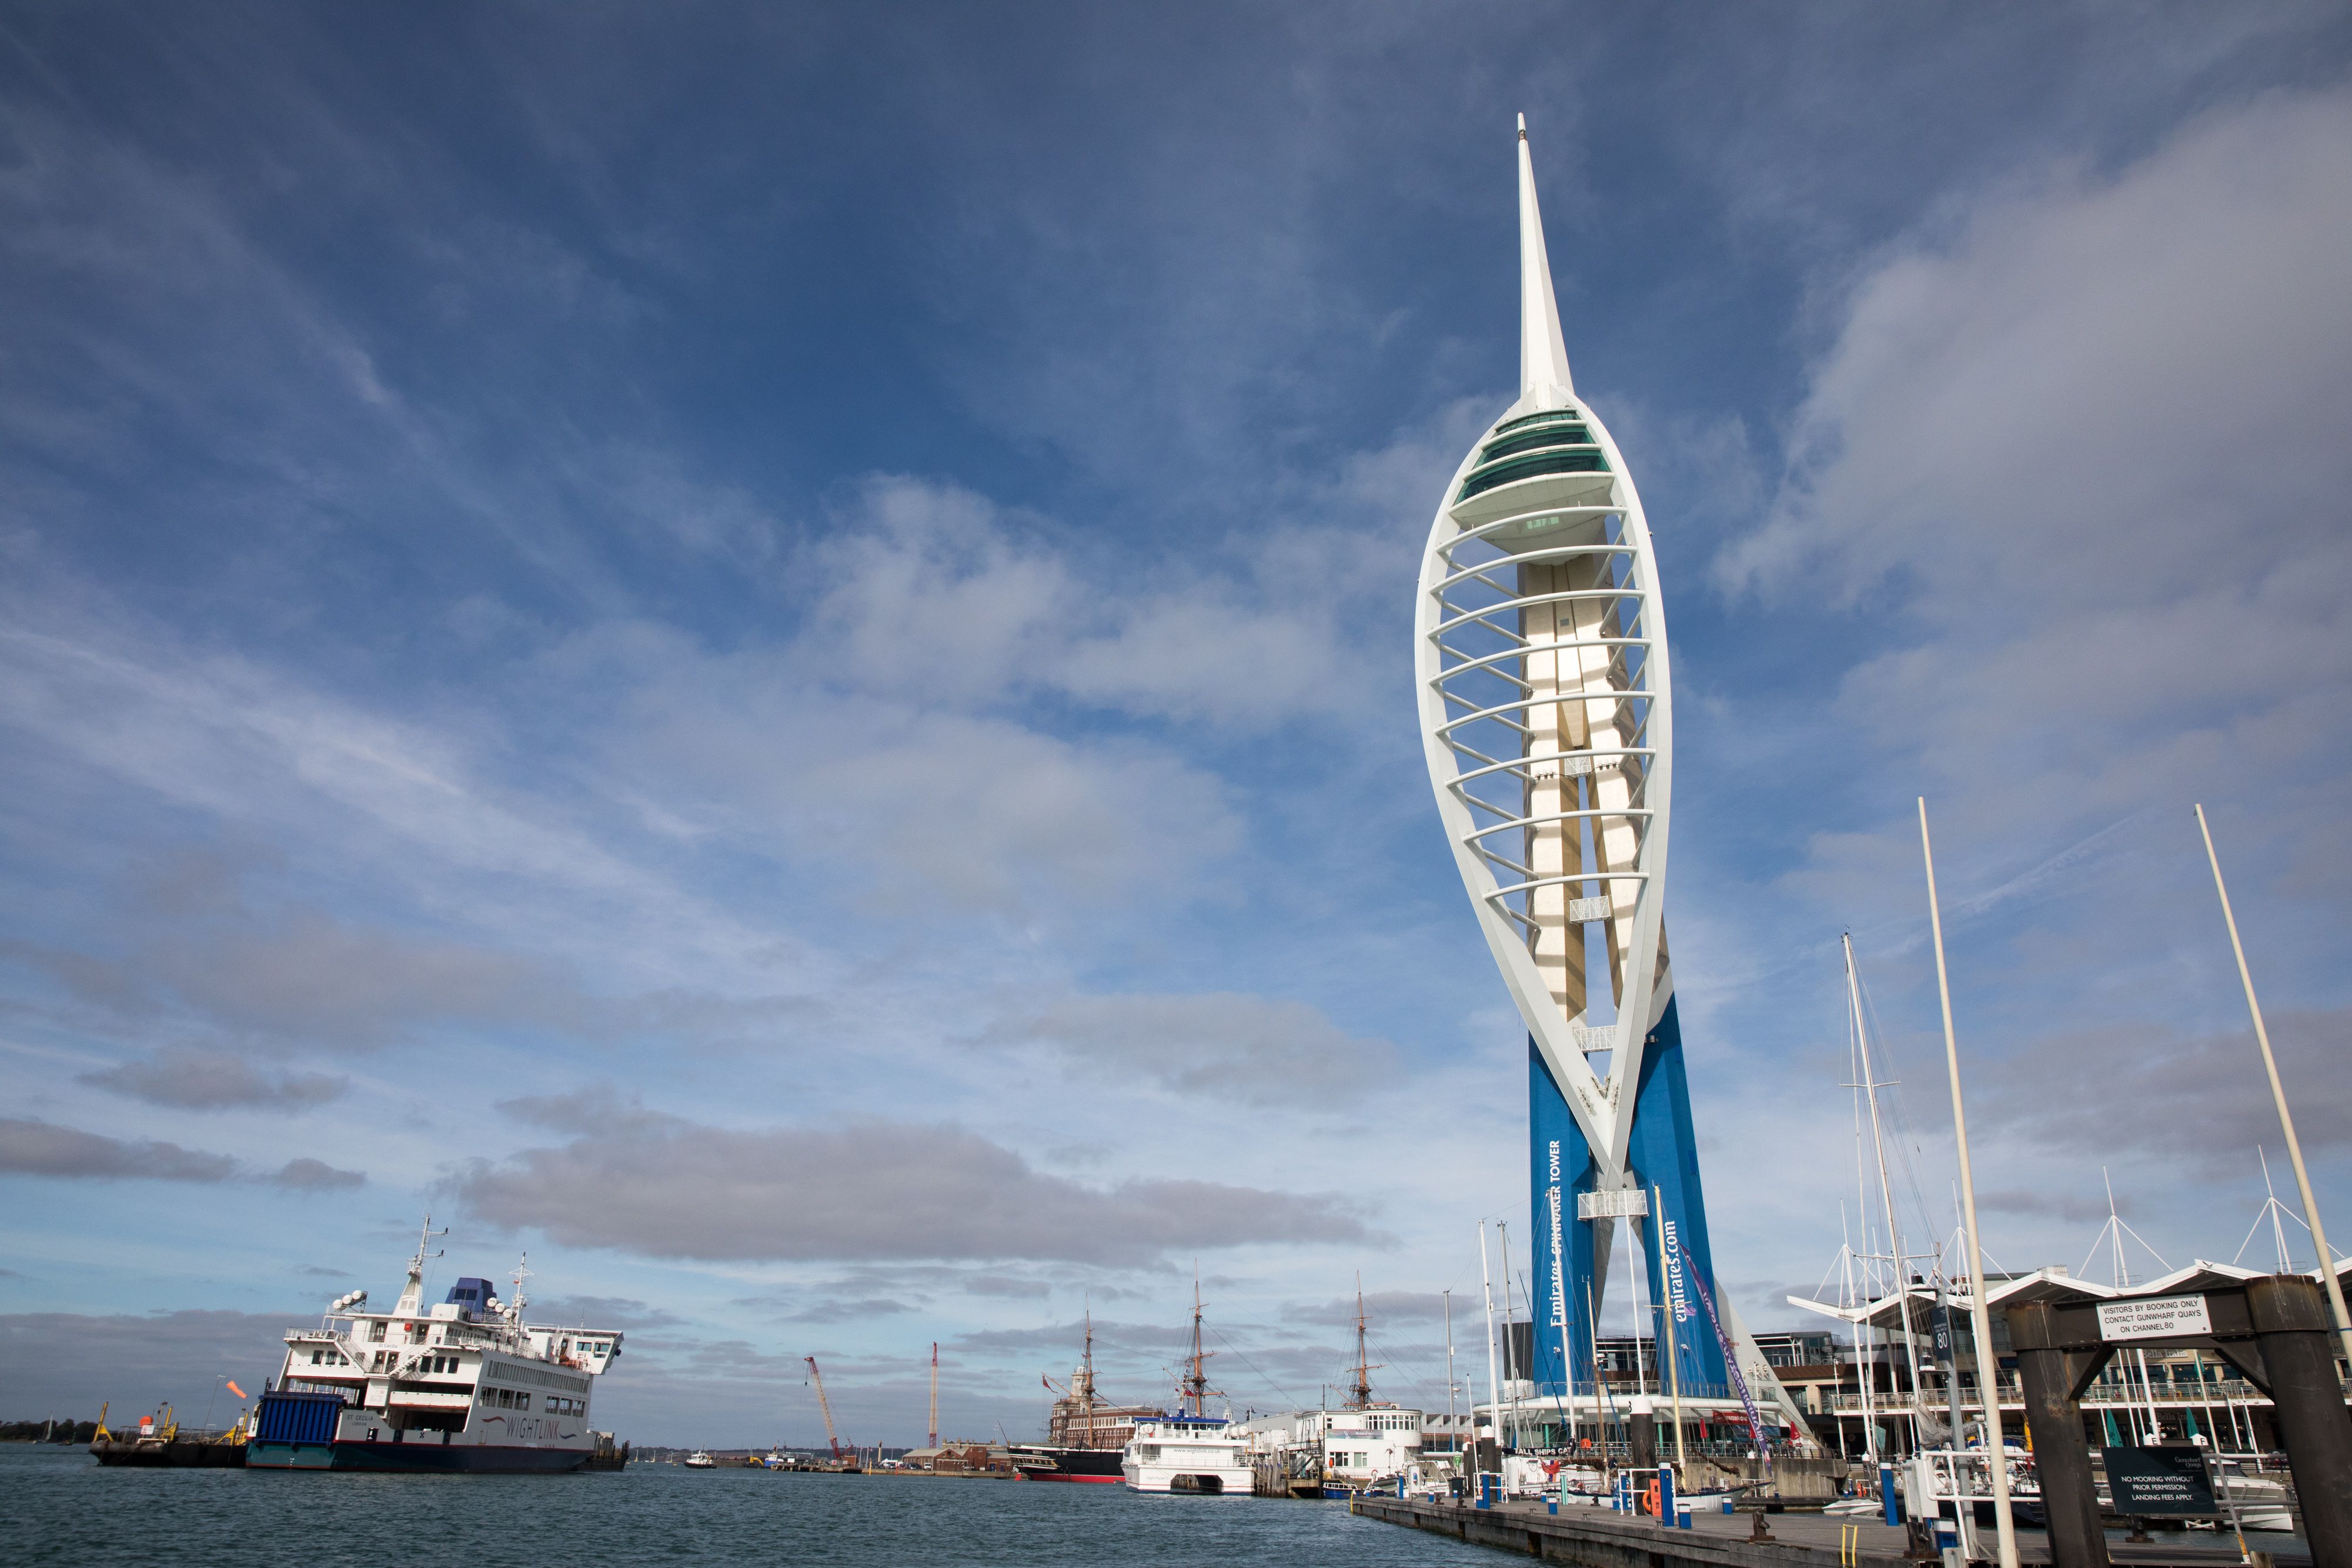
pixel 1599 1538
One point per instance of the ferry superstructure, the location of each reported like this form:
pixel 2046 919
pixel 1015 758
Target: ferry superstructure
pixel 1204 1454
pixel 464 1384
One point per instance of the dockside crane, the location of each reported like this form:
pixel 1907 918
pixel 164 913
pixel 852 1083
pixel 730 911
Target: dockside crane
pixel 826 1407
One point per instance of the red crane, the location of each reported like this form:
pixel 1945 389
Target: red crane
pixel 823 1404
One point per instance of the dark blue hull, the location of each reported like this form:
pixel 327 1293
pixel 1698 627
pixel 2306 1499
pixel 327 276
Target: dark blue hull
pixel 426 1457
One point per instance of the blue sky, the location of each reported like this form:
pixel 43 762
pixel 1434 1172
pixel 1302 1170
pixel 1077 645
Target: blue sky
pixel 764 651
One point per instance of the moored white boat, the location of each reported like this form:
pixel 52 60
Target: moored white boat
pixel 1199 1455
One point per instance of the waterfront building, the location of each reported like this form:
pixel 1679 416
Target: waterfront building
pixel 1352 1447
pixel 1085 1423
pixel 1546 701
pixel 2143 1397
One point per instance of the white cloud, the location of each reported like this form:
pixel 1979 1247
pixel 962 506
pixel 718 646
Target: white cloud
pixel 2083 439
pixel 936 595
pixel 2084 395
pixel 901 804
pixel 2065 520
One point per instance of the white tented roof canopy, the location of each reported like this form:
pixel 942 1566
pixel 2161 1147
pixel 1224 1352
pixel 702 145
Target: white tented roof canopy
pixel 2052 1285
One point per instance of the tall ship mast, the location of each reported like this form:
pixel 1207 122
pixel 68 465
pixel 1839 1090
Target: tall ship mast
pixel 1360 1392
pixel 1084 1436
pixel 1190 1451
pixel 1195 1386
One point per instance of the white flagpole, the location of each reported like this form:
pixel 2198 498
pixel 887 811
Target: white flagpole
pixel 1979 1315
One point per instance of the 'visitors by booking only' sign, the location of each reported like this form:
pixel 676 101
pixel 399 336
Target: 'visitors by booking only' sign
pixel 2162 1317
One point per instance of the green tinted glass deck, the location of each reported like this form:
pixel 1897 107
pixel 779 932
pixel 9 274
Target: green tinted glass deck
pixel 1535 441
pixel 1552 417
pixel 1510 470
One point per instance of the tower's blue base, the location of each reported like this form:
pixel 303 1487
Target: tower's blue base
pixel 1570 1270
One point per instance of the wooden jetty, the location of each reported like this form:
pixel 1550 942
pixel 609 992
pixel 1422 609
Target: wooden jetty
pixel 1600 1538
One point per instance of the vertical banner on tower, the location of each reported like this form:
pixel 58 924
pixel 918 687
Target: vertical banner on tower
pixel 1663 1154
pixel 1561 1168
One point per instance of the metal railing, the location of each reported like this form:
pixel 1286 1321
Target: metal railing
pixel 2216 1391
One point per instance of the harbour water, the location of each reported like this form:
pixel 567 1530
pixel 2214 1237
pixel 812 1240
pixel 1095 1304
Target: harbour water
pixel 61 1508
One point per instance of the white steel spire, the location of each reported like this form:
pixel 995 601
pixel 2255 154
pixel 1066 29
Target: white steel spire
pixel 1546 719
pixel 1543 352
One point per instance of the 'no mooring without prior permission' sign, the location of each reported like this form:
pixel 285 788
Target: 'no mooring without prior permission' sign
pixel 2163 1317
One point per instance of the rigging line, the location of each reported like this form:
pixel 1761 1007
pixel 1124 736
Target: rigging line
pixel 1405 1364
pixel 1907 1141
pixel 2143 1241
pixel 1424 1381
pixel 1822 1287
pixel 2096 1242
pixel 1243 1357
pixel 2261 1216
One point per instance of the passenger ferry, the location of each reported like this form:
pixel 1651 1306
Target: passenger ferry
pixel 464 1384
pixel 1198 1454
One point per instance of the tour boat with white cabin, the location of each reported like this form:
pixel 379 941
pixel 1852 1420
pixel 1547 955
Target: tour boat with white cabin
pixel 1201 1455
pixel 464 1384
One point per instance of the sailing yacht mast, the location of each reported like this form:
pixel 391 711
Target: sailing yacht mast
pixel 1885 1187
pixel 1449 1357
pixel 1865 1335
pixel 2122 1277
pixel 1863 1374
pixel 1513 1372
pixel 1494 1392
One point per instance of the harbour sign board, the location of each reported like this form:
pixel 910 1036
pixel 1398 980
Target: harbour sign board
pixel 2162 1317
pixel 2159 1480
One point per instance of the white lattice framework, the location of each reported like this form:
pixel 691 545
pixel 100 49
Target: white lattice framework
pixel 1547 716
